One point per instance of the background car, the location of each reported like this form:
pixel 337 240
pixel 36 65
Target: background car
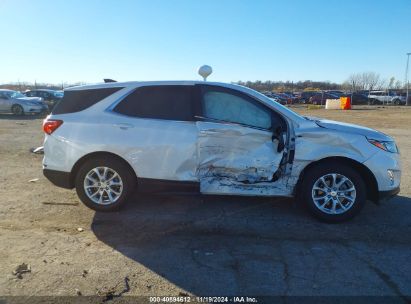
pixel 357 99
pixel 19 104
pixel 282 98
pixel 320 98
pixel 336 93
pixel 276 97
pixel 289 97
pixel 51 97
pixel 304 97
pixel 384 97
pixel 403 97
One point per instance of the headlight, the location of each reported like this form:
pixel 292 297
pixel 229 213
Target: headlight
pixel 388 146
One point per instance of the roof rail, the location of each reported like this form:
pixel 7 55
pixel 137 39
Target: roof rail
pixel 107 80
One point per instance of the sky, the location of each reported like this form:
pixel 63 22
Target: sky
pixel 58 41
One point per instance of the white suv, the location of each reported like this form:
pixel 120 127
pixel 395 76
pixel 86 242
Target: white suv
pixel 384 97
pixel 108 140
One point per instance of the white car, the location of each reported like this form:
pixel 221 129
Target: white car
pixel 108 140
pixel 19 104
pixel 384 97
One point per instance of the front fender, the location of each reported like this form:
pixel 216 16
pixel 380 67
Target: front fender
pixel 324 143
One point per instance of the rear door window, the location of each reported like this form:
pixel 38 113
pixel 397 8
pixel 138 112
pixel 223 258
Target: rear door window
pixel 170 102
pixel 79 100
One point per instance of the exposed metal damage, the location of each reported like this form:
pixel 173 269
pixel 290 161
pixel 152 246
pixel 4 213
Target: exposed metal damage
pixel 238 160
pixel 221 185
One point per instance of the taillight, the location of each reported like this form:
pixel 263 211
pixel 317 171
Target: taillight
pixel 51 125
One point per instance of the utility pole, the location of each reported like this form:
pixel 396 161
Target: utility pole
pixel 352 91
pixel 406 79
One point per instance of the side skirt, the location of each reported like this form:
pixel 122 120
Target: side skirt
pixel 149 185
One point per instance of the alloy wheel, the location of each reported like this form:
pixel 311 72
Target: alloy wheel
pixel 333 193
pixel 103 185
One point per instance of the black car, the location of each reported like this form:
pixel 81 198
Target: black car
pixel 321 98
pixel 360 99
pixel 304 97
pixel 336 93
pixel 51 97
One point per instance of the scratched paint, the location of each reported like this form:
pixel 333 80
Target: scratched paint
pixel 237 160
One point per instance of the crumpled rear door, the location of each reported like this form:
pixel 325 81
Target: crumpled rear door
pixel 235 159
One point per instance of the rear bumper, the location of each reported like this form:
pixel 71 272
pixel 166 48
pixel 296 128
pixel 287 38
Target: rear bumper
pixel 384 196
pixel 59 178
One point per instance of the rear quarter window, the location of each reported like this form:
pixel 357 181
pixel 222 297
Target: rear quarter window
pixel 79 100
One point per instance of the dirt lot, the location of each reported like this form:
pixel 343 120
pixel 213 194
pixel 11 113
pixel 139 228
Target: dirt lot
pixel 163 245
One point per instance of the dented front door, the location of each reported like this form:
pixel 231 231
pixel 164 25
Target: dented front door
pixel 235 159
pixel 236 150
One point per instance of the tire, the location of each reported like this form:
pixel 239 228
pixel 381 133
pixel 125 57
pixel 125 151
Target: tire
pixel 105 191
pixel 338 196
pixel 17 109
pixel 374 102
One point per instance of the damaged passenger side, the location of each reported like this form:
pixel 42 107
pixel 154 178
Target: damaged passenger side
pixel 241 144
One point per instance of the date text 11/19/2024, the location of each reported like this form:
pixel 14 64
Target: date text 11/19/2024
pixel 194 299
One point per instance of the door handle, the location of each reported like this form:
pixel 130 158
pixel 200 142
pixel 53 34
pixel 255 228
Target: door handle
pixel 123 126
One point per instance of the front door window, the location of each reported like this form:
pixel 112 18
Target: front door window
pixel 228 107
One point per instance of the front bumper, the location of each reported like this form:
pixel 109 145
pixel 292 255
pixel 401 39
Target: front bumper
pixel 384 196
pixel 381 164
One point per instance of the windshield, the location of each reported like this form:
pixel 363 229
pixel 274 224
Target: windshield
pixel 58 94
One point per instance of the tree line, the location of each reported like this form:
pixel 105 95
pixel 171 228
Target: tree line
pixel 290 86
pixel 355 82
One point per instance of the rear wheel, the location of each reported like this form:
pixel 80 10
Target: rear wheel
pixel 17 109
pixel 104 184
pixel 333 192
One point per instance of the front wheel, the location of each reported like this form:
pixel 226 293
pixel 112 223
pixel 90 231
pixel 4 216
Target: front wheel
pixel 333 192
pixel 104 184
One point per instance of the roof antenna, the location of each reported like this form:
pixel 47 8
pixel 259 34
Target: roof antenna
pixel 205 71
pixel 107 80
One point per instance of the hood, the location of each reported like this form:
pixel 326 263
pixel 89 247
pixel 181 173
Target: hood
pixel 351 128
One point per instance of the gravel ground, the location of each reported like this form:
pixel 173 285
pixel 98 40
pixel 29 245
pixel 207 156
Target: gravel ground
pixel 197 245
